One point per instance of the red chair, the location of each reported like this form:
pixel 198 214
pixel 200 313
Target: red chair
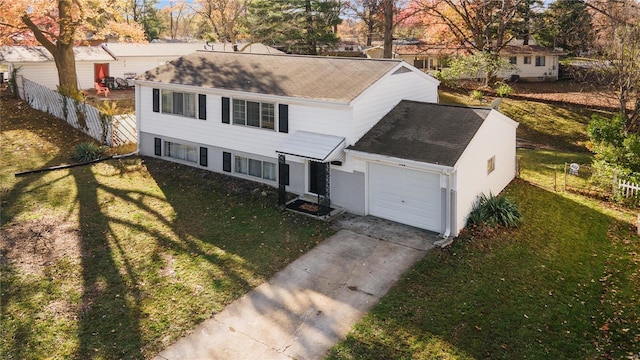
pixel 101 89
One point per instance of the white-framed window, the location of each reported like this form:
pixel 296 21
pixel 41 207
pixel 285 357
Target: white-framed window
pixel 527 60
pixel 256 168
pixel 540 60
pixel 180 151
pixel 491 164
pixel 513 60
pixel 253 113
pixel 179 103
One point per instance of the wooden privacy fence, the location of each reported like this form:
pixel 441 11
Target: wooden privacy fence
pixel 109 130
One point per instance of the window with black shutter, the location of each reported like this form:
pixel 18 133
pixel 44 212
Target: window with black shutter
pixel 226 162
pixel 204 156
pixel 157 146
pixel 283 118
pixel 202 106
pixel 156 100
pixel 225 110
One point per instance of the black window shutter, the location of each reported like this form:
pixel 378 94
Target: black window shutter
pixel 283 173
pixel 225 110
pixel 202 106
pixel 283 118
pixel 157 146
pixel 226 161
pixel 156 100
pixel 204 156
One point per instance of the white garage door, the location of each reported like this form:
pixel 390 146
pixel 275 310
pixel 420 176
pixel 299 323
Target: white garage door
pixel 407 196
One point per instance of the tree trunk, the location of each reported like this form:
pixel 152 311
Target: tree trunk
pixel 62 48
pixel 311 44
pixel 388 29
pixel 66 64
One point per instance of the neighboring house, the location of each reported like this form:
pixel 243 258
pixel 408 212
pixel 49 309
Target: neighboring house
pixel 427 57
pixel 130 60
pixel 36 63
pixel 533 62
pixel 107 61
pixel 363 135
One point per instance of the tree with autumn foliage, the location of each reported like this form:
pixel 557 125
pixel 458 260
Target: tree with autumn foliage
pixel 223 16
pixel 485 26
pixel 59 25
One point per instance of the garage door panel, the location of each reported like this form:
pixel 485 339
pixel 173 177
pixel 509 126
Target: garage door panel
pixel 405 195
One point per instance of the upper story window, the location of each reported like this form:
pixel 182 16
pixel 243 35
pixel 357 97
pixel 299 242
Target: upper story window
pixel 540 60
pixel 179 103
pixel 527 59
pixel 252 113
pixel 513 60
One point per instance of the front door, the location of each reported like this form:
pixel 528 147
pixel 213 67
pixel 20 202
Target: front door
pixel 314 172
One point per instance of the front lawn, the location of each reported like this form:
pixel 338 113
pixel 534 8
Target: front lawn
pixel 121 258
pixel 565 285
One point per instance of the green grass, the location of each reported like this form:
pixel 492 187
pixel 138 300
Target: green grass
pixel 562 286
pixel 546 125
pixel 121 258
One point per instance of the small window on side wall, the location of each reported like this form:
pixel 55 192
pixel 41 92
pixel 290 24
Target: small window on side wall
pixel 491 164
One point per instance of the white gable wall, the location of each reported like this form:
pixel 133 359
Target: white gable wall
pixel 380 98
pixel 496 137
pixel 46 74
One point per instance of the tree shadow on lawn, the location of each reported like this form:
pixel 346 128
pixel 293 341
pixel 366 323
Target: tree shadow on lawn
pixel 559 287
pixel 157 254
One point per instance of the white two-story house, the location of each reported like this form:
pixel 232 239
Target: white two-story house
pixel 296 122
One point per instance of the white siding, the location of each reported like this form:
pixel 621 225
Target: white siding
pixel 380 98
pixel 263 142
pixel 137 65
pixel 86 74
pixel 533 72
pixel 46 74
pixel 496 137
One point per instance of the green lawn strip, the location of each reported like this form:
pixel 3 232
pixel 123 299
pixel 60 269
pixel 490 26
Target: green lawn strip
pixel 549 125
pixel 534 292
pixel 546 168
pixel 121 258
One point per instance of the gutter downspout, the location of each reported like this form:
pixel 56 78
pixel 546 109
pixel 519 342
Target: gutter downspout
pixel 447 239
pixel 138 96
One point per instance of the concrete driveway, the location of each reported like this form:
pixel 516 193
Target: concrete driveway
pixel 312 304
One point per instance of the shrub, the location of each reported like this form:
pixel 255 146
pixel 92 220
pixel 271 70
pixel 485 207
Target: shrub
pixel 495 210
pixel 503 89
pixel 88 151
pixel 477 95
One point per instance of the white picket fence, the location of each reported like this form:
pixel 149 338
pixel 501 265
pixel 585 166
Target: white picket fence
pixel 628 189
pixel 121 129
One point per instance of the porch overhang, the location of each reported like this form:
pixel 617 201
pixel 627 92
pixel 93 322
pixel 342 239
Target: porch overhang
pixel 314 146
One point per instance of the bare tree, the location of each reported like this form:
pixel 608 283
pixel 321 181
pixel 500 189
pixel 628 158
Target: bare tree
pixel 223 16
pixel 367 11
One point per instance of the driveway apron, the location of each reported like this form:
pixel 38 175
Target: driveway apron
pixel 313 303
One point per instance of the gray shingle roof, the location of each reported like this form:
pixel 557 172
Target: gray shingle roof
pixel 425 132
pixel 310 77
